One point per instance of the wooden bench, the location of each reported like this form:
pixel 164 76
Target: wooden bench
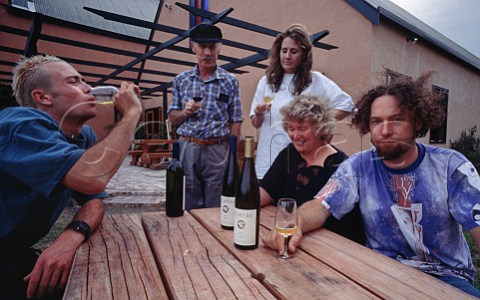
pixel 153 153
pixel 148 159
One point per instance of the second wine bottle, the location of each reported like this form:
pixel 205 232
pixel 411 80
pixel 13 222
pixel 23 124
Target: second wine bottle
pixel 175 186
pixel 247 203
pixel 230 185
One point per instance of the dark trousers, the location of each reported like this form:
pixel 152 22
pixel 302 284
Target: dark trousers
pixel 13 269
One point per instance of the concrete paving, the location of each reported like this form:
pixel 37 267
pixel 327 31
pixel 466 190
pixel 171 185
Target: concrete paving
pixel 136 188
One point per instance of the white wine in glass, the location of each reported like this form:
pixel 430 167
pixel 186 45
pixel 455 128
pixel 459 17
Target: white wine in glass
pixel 268 100
pixel 286 220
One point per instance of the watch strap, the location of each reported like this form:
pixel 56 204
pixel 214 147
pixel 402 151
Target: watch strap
pixel 81 227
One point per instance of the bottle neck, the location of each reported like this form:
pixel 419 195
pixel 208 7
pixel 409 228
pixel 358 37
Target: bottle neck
pixel 248 147
pixel 176 150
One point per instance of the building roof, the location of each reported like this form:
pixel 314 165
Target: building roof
pixel 73 11
pixel 374 10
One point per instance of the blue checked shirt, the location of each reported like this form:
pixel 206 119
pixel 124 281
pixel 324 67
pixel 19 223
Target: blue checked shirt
pixel 221 104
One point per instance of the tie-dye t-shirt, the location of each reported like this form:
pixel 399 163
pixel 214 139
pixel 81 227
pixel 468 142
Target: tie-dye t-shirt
pixel 414 215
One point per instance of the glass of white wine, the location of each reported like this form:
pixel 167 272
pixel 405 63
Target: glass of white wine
pixel 268 99
pixel 286 220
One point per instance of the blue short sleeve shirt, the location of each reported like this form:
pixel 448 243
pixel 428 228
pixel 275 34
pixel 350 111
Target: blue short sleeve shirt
pixel 35 155
pixel 416 214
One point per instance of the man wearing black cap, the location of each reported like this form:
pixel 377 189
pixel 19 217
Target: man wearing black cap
pixel 204 125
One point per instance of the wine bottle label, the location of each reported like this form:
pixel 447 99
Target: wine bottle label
pixel 245 226
pixel 227 211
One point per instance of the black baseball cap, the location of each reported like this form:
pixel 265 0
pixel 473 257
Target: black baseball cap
pixel 206 33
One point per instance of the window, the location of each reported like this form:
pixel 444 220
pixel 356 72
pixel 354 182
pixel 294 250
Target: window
pixel 439 135
pixel 24 4
pixel 393 76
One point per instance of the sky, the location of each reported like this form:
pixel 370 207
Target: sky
pixel 458 20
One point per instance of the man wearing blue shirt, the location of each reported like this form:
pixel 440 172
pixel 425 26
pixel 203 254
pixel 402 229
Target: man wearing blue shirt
pixel 414 198
pixel 48 156
pixel 204 125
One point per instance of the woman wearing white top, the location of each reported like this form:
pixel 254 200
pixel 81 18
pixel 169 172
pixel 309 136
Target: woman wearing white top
pixel 289 74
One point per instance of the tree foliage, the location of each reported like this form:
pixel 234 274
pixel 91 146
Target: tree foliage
pixel 469 145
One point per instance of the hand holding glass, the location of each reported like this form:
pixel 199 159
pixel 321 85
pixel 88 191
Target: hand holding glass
pixel 197 97
pixel 286 220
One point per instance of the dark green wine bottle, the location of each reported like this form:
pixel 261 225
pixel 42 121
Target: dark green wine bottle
pixel 230 185
pixel 175 194
pixel 247 203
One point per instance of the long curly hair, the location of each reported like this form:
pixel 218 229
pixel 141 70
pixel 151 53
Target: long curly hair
pixel 275 72
pixel 413 96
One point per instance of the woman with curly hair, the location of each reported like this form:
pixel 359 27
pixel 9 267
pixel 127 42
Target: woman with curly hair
pixel 289 74
pixel 303 167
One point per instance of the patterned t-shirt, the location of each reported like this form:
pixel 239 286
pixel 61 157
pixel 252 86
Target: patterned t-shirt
pixel 415 214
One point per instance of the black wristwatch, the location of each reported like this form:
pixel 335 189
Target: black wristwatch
pixel 80 226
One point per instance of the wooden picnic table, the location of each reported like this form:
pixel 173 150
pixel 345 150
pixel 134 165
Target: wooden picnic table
pixel 151 153
pixel 152 256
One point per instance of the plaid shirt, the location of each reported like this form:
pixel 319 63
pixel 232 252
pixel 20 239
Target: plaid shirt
pixel 221 104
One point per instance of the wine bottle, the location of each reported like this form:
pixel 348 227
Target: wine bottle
pixel 230 185
pixel 175 194
pixel 247 203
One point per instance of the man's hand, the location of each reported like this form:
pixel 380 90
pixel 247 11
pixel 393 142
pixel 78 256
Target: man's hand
pixel 126 99
pixel 276 241
pixel 53 266
pixel 311 215
pixel 191 107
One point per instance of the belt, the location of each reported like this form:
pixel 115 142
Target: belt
pixel 209 142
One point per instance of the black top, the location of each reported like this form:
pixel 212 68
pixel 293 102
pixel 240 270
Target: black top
pixel 289 177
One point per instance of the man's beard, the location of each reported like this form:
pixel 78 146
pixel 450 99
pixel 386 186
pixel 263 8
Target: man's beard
pixel 392 152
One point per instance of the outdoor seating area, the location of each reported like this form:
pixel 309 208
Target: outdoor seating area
pixel 151 153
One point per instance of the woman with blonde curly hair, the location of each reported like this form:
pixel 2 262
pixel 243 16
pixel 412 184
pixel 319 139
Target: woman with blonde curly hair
pixel 305 165
pixel 289 74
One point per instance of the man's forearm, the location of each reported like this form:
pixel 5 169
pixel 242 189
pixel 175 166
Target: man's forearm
pixel 177 117
pixel 96 167
pixel 312 215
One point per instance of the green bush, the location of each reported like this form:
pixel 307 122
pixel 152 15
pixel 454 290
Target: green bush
pixel 469 145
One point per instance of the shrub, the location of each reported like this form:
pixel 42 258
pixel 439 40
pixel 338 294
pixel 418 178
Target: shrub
pixel 469 145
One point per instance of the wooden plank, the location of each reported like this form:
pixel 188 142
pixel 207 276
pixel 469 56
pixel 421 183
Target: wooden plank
pixel 303 277
pixel 355 261
pixel 116 263
pixel 193 264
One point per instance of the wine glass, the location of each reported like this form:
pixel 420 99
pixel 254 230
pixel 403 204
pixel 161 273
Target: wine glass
pixel 197 97
pixel 286 220
pixel 268 99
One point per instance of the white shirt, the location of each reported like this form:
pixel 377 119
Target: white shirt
pixel 273 138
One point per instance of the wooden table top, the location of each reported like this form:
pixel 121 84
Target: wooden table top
pixel 151 256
